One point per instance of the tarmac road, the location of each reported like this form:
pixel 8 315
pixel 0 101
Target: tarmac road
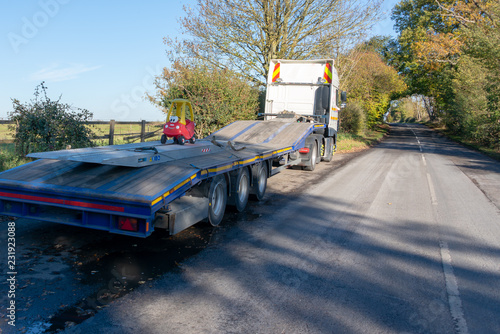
pixel 403 239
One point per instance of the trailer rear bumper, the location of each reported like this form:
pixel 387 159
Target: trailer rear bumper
pixel 78 212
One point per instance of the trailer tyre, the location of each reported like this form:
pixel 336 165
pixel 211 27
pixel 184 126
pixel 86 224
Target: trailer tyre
pixel 314 158
pixel 217 199
pixel 259 182
pixel 240 184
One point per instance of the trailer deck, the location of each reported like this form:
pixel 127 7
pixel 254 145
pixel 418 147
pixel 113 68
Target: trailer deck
pixel 92 187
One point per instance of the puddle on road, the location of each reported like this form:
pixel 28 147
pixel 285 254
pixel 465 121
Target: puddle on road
pixel 120 264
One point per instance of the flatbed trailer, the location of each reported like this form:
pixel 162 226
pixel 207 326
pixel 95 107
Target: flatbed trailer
pixel 132 189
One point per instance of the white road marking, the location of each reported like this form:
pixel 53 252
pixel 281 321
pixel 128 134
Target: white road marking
pixel 431 189
pixel 423 159
pixel 454 300
pixel 418 140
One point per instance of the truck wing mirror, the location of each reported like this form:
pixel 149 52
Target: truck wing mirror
pixel 343 97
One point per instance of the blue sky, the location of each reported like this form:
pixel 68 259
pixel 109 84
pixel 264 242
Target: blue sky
pixel 99 55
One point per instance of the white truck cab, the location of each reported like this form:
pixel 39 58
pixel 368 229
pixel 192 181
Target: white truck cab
pixel 305 87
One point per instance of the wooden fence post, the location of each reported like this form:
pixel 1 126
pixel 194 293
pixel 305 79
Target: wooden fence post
pixel 143 130
pixel 111 131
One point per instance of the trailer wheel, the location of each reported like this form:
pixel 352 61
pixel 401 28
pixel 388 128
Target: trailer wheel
pixel 163 139
pixel 314 157
pixel 217 199
pixel 240 184
pixel 259 182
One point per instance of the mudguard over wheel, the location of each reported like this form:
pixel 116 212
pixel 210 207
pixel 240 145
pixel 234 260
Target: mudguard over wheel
pixel 217 199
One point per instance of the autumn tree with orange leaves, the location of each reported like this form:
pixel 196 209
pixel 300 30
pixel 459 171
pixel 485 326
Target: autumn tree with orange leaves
pixel 450 51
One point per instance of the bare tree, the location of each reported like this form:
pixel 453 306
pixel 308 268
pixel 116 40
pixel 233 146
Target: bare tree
pixel 246 35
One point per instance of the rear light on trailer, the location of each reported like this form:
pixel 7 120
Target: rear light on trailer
pixel 128 224
pixel 304 150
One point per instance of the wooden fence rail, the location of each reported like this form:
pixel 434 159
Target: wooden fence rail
pixel 142 135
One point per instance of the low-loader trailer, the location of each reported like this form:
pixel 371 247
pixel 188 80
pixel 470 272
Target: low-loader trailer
pixel 133 189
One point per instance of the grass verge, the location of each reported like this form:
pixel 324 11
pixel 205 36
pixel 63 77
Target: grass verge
pixel 349 142
pixel 9 159
pixel 493 153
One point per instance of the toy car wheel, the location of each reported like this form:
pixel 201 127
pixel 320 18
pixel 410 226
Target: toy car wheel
pixel 181 140
pixel 163 139
pixel 193 139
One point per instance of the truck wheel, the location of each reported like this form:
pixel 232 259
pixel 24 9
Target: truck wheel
pixel 163 139
pixel 217 199
pixel 328 149
pixel 259 182
pixel 313 159
pixel 240 184
pixel 181 140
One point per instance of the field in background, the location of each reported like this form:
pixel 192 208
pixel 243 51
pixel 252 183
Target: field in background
pixel 5 133
pixel 126 132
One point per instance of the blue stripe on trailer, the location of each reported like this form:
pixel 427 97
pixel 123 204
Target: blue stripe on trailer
pixel 119 180
pixel 243 131
pixel 56 173
pixel 276 133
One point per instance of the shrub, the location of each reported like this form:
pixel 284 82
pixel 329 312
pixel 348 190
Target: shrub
pixel 353 119
pixel 46 125
pixel 218 96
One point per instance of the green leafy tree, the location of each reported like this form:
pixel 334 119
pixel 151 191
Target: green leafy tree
pixel 46 125
pixel 481 29
pixel 246 35
pixel 373 83
pixel 449 51
pixel 408 109
pixel 218 96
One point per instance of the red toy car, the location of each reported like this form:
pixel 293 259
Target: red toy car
pixel 178 127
